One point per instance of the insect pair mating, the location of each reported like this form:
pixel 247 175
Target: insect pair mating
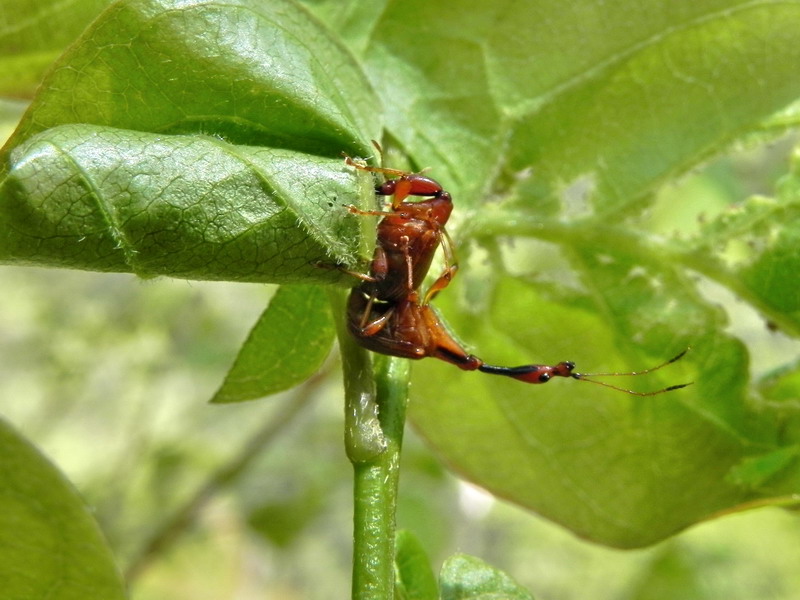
pixel 386 312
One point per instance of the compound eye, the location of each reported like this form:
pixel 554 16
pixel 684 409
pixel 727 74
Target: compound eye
pixel 544 377
pixel 387 188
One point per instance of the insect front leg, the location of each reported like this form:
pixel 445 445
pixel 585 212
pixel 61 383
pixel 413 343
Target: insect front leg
pixel 450 266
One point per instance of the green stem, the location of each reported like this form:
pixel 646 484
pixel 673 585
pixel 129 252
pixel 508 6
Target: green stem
pixel 375 491
pixel 374 420
pixel 363 437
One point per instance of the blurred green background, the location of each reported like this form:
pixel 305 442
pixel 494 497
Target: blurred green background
pixel 110 376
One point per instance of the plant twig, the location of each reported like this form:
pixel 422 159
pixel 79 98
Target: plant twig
pixel 376 486
pixel 375 409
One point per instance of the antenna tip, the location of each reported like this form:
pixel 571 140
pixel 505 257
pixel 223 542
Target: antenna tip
pixel 678 387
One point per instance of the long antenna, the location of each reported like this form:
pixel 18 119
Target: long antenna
pixel 634 392
pixel 586 376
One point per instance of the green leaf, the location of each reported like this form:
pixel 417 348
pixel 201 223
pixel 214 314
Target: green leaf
pixel 181 140
pixel 33 34
pixel 285 347
pixel 254 72
pixel 619 469
pixel 683 82
pixel 772 472
pixel 50 547
pixel 465 576
pixel 756 471
pixel 610 95
pixel 755 246
pixel 415 579
pixel 554 126
pixel 353 20
pixel 88 197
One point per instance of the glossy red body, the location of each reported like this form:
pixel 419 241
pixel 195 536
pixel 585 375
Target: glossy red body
pixel 407 238
pixel 385 313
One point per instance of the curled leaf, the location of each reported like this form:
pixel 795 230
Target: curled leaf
pixel 95 198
